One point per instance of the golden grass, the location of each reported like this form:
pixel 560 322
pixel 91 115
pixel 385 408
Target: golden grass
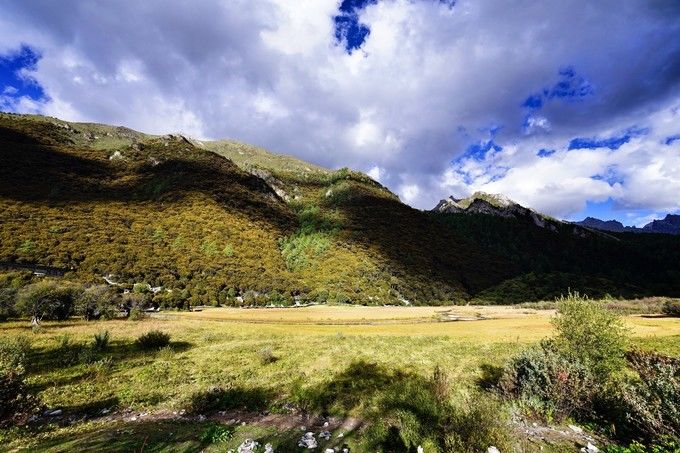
pixel 221 347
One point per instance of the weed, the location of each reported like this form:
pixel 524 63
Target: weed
pixel 101 341
pixel 267 356
pixel 154 339
pixel 215 433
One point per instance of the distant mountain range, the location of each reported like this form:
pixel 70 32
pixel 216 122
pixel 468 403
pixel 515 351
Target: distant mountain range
pixel 502 206
pixel 668 225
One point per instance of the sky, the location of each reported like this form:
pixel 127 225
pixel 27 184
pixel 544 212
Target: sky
pixel 570 108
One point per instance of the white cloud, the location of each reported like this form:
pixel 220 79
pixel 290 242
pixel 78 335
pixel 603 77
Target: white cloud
pixel 376 173
pixel 409 192
pixel 428 82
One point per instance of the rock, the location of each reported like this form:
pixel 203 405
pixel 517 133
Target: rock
pixel 55 413
pixel 308 441
pixel 116 156
pixel 492 449
pixel 330 450
pixel 341 435
pixel 269 448
pixel 248 446
pixel 576 429
pixel 590 448
pixel 325 424
pixel 420 449
pixel 325 435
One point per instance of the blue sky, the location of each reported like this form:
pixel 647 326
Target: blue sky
pixel 571 108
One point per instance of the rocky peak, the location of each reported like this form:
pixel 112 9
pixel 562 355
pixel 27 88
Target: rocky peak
pixel 495 205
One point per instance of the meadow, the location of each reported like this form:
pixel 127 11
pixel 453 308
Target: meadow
pixel 230 373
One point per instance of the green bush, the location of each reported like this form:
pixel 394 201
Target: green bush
pixel 671 308
pixel 649 407
pixel 590 334
pixel 154 339
pixel 548 383
pixel 48 300
pixel 215 433
pixel 15 400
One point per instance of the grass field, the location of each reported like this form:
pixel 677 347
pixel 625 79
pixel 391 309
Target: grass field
pixel 265 359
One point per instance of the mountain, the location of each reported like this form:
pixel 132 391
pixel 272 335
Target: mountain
pixel 224 222
pixel 608 225
pixel 494 205
pixel 669 225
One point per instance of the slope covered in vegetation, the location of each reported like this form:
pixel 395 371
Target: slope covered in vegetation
pixel 226 223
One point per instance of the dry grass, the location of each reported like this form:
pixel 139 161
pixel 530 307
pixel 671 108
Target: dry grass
pixel 313 345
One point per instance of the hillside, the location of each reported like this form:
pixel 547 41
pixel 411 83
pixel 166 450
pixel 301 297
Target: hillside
pixel 224 222
pixel 163 211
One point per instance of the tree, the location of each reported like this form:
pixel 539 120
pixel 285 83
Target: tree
pixel 48 299
pixel 96 302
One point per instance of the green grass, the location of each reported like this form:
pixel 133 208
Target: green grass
pixel 318 351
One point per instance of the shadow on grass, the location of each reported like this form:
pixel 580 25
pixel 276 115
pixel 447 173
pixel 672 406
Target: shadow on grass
pixel 406 410
pixel 74 361
pixel 166 435
pixel 230 398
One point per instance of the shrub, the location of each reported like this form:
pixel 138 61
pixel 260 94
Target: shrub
pixel 136 314
pixel 101 341
pixel 7 302
pixel 671 308
pixel 590 334
pixel 154 339
pixel 15 399
pixel 215 433
pixel 650 406
pixel 549 383
pixel 48 300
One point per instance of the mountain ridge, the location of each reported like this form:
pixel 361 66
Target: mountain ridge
pixel 668 225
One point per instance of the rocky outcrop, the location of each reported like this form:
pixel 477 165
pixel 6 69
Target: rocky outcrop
pixel 494 205
pixel 273 182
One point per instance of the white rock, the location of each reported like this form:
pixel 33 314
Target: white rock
pixel 308 441
pixel 590 448
pixel 248 446
pixel 269 448
pixel 325 424
pixel 325 435
pixel 330 450
pixel 420 449
pixel 492 449
pixel 576 429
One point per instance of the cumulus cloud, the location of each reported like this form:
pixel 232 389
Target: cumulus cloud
pixel 422 84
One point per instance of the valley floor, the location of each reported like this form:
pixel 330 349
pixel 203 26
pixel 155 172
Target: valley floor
pixel 275 370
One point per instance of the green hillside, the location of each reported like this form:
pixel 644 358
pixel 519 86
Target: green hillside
pixel 224 222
